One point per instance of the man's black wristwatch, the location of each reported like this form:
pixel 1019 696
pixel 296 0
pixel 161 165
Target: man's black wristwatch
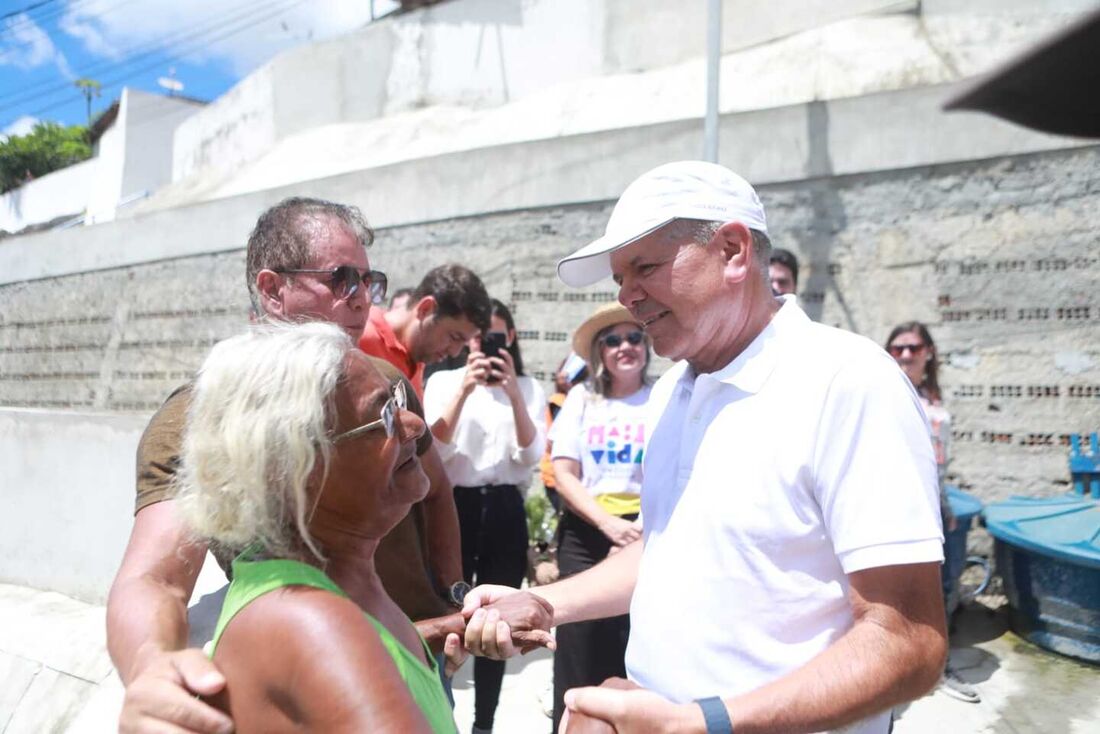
pixel 456 593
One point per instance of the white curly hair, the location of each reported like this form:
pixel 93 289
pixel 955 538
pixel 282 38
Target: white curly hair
pixel 262 410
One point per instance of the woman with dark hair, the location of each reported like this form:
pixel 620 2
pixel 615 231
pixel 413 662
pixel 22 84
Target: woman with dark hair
pixel 598 442
pixel 487 419
pixel 911 345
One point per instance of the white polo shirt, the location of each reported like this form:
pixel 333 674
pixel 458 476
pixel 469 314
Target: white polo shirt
pixel 765 483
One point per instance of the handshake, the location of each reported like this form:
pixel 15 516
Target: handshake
pixel 498 622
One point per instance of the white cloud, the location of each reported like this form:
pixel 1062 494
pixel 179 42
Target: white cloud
pixel 28 46
pixel 244 33
pixel 20 126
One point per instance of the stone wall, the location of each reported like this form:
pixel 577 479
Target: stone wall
pixel 1000 258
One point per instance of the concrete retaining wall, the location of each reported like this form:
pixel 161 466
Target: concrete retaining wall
pixel 999 257
pixel 68 494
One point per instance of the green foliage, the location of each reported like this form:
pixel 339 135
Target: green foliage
pixel 48 147
pixel 542 521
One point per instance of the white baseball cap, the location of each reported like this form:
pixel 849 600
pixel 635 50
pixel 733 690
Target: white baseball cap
pixel 681 190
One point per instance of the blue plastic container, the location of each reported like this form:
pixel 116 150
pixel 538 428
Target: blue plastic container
pixel 1047 552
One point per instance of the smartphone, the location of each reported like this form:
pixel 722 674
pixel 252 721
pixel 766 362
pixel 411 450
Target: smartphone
pixel 492 344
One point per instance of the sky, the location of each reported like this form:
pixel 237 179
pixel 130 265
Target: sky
pixel 205 45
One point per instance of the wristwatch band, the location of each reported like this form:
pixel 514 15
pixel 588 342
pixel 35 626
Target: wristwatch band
pixel 715 715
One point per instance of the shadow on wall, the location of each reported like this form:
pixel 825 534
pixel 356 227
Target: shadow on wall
pixel 828 216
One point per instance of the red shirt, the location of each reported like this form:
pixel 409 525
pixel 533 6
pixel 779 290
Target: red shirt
pixel 378 340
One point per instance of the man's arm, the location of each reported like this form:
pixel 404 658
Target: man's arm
pixel 441 521
pixel 894 653
pixel 147 628
pixel 526 621
pixel 602 591
pixel 147 605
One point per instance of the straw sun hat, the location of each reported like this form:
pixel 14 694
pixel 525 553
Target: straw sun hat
pixel 605 316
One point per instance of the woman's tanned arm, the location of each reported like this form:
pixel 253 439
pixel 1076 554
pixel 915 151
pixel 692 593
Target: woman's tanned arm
pixel 310 659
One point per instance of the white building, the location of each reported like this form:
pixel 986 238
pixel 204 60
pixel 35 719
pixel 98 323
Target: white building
pixel 132 158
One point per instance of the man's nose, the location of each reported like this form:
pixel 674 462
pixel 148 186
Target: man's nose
pixel 410 425
pixel 629 293
pixel 359 300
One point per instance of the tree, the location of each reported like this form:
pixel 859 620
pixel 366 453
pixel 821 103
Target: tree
pixel 48 147
pixel 89 88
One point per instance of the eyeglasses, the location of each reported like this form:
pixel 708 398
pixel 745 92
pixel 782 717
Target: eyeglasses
pixel 388 421
pixel 346 279
pixel 896 350
pixel 634 338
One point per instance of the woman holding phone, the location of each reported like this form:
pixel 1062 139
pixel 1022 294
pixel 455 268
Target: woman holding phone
pixel 487 419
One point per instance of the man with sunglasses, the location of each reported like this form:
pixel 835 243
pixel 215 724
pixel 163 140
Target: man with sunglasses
pixel 448 308
pixel 788 574
pixel 306 260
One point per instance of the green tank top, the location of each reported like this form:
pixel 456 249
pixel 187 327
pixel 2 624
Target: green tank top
pixel 253 579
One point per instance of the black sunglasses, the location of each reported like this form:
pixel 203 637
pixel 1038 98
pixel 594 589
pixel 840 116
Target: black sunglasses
pixel 346 279
pixel 611 341
pixel 896 350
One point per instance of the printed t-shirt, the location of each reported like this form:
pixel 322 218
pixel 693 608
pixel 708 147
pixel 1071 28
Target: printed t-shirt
pixel 608 437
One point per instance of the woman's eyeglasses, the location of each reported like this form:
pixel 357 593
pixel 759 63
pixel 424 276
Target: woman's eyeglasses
pixel 634 338
pixel 346 279
pixel 388 421
pixel 896 350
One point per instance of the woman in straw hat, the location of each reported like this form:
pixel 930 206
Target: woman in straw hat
pixel 598 441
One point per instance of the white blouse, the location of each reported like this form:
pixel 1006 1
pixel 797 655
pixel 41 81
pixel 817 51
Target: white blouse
pixel 483 449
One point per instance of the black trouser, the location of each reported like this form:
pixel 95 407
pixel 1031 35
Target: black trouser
pixel 494 551
pixel 588 652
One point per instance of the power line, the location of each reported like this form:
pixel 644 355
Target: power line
pixel 120 56
pixel 28 9
pixel 51 14
pixel 192 39
pixel 181 52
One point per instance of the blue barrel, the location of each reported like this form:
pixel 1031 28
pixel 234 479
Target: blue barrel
pixel 1047 552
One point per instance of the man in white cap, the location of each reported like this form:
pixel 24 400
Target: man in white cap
pixel 788 578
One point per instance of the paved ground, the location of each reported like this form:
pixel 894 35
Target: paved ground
pixel 55 677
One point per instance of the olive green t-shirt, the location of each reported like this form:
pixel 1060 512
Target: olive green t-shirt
pixel 402 556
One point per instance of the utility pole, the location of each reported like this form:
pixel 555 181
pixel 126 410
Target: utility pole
pixel 714 59
pixel 89 88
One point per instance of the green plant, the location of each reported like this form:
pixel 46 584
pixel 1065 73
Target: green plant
pixel 46 148
pixel 542 520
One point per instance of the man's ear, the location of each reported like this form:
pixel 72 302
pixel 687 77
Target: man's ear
pixel 425 307
pixel 734 241
pixel 269 285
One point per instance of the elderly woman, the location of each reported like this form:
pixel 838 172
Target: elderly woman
pixel 301 455
pixel 598 441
